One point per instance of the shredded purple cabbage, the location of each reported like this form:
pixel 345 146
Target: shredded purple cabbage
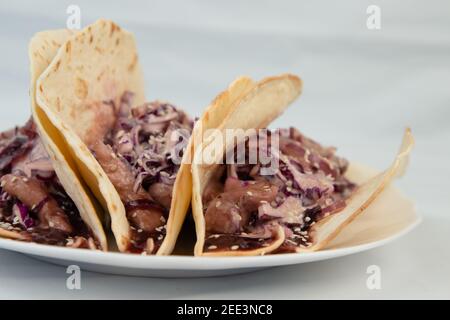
pixel 22 213
pixel 148 138
pixel 15 143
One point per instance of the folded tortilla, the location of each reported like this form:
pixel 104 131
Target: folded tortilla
pixel 39 149
pixel 95 72
pixel 300 207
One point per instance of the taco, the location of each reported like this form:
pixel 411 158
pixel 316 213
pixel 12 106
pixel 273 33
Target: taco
pixel 133 155
pixel 42 199
pixel 279 191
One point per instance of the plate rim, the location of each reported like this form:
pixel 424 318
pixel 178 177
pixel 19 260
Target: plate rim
pixel 179 262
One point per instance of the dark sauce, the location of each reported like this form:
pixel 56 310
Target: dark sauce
pixel 138 241
pixel 49 236
pixel 227 242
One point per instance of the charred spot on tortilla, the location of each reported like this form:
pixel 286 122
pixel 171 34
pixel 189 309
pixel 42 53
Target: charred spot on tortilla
pixel 99 50
pixel 68 47
pixel 33 202
pixel 133 63
pixel 81 88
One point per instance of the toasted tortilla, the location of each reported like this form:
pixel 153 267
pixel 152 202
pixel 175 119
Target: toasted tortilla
pixel 327 229
pixel 245 104
pixel 43 47
pixel 272 100
pixel 99 64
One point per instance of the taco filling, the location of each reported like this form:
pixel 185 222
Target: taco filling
pixel 243 206
pixel 33 203
pixel 141 155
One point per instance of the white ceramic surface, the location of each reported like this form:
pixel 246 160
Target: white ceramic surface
pixel 387 219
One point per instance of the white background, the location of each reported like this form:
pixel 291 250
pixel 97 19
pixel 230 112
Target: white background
pixel 362 87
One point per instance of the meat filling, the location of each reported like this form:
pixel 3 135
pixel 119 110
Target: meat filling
pixel 139 156
pixel 32 201
pixel 123 180
pixel 33 194
pixel 242 205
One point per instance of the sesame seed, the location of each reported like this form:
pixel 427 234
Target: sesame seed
pixel 297 230
pixel 307 219
pixel 212 247
pixel 14 179
pixel 140 230
pixel 160 237
pixel 249 193
pixel 163 220
pixel 51 224
pixel 218 203
pixel 234 247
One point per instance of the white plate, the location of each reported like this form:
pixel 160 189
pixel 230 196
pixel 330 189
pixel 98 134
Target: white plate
pixel 391 216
